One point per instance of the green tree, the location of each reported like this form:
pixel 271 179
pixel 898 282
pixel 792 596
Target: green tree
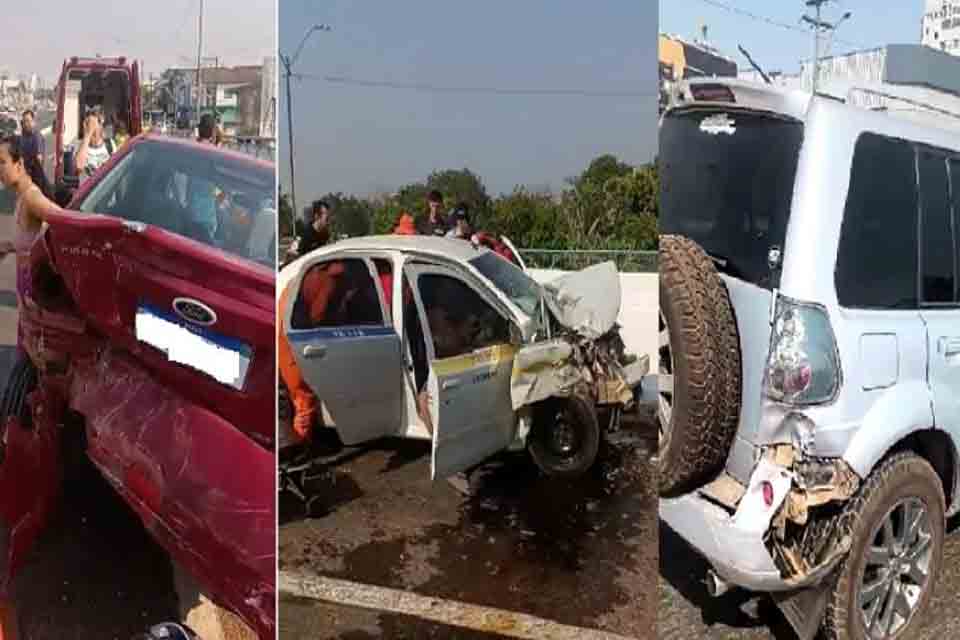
pixel 351 216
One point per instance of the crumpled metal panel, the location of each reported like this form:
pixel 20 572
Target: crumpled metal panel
pixel 201 487
pixel 586 301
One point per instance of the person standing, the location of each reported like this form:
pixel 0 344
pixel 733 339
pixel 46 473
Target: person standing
pixel 92 150
pixel 433 224
pixel 317 233
pixel 34 150
pixel 459 222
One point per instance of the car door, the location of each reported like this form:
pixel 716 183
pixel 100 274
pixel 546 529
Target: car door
pixel 939 282
pixel 347 347
pixel 471 359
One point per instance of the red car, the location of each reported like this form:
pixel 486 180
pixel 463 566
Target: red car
pixel 151 333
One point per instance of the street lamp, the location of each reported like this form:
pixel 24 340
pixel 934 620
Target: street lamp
pixel 288 63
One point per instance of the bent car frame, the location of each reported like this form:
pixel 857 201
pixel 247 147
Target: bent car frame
pixel 502 362
pixel 154 342
pixel 810 332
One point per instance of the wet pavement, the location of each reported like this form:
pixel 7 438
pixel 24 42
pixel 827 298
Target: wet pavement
pixel 579 553
pixel 686 611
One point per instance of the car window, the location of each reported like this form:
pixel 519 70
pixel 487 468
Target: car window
pixel 204 194
pixel 337 293
pixel 877 257
pixel 460 320
pixel 520 288
pixel 936 230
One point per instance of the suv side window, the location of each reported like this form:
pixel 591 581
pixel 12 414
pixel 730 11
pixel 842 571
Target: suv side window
pixel 877 259
pixel 460 320
pixel 937 266
pixel 337 293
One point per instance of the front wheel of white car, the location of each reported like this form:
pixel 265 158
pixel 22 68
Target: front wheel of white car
pixel 565 438
pixel 896 523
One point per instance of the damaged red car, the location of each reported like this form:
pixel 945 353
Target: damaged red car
pixel 150 336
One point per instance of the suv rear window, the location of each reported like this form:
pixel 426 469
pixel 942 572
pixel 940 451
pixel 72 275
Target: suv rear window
pixel 877 260
pixel 727 182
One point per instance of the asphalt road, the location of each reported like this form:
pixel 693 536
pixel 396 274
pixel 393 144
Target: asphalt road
pixel 580 553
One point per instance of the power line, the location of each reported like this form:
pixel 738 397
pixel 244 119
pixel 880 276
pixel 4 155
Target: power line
pixel 434 88
pixel 771 21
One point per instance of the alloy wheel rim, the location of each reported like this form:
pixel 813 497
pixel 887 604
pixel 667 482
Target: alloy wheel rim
pixel 896 569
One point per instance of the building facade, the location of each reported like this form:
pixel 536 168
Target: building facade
pixel 940 27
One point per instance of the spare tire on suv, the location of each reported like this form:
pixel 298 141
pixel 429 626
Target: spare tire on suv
pixel 699 349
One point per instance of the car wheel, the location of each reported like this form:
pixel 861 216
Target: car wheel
pixel 565 437
pixel 896 524
pixel 22 381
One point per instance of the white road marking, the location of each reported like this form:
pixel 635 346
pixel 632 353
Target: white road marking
pixel 440 610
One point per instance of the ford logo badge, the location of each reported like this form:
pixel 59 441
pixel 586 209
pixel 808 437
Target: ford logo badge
pixel 194 311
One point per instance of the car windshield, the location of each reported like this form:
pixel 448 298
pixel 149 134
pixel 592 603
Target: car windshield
pixel 201 193
pixel 727 183
pixel 521 289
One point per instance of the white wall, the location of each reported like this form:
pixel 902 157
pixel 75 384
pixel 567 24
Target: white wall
pixel 639 302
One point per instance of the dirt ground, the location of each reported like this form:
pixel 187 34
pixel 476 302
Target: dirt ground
pixel 580 553
pixel 686 611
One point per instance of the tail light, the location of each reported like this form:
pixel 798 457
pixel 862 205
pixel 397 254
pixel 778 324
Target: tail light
pixel 803 367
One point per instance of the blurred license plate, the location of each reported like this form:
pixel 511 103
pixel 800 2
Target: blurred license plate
pixel 224 359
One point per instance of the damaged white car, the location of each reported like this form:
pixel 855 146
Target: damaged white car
pixel 436 339
pixel 810 352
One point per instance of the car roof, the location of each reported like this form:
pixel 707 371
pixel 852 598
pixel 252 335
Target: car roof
pixel 159 138
pixel 450 248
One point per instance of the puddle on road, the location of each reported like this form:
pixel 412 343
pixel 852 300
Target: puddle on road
pixel 571 551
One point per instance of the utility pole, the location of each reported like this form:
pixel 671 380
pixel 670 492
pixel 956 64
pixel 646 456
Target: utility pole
pixel 819 25
pixel 199 54
pixel 288 62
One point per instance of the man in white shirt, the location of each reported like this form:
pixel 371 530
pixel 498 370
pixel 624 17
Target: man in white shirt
pixel 92 150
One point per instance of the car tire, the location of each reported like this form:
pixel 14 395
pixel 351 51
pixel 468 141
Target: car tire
pixel 702 357
pixel 565 437
pixel 902 479
pixel 22 382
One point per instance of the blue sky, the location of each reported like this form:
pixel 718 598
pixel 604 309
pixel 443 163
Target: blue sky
pixel 40 35
pixel 873 23
pixel 364 140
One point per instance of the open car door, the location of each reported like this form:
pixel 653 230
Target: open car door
pixel 347 348
pixel 471 360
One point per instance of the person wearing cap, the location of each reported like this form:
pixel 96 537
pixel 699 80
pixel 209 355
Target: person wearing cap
pixel 459 222
pixel 92 149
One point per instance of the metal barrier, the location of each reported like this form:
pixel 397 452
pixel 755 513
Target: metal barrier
pixel 570 259
pixel 574 259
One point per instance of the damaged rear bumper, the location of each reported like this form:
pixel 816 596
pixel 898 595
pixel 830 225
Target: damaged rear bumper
pixel 772 538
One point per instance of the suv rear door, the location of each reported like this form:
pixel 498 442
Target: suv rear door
pixel 347 348
pixel 938 280
pixel 471 360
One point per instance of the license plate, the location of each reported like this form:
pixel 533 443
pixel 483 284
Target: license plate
pixel 224 359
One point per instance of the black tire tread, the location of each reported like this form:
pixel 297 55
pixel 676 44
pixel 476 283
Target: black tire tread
pixel 851 522
pixel 707 407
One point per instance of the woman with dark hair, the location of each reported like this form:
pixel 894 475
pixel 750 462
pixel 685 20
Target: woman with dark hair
pixel 30 213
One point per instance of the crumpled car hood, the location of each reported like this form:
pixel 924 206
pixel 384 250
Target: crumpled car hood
pixel 587 301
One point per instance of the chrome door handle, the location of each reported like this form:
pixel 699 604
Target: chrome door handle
pixel 450 384
pixel 314 351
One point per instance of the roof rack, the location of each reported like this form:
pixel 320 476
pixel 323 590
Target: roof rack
pixel 916 103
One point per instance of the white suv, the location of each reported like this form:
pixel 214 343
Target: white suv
pixel 810 351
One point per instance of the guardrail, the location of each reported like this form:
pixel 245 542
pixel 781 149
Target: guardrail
pixel 571 259
pixel 576 259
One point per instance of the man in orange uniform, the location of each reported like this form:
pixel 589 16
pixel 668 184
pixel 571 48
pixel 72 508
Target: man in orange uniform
pixel 319 285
